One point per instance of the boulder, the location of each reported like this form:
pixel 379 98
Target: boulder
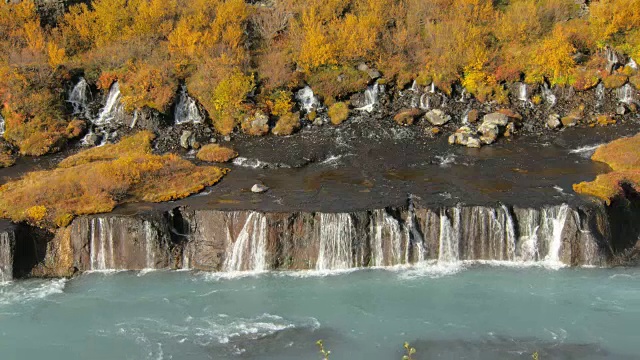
pixel 569 121
pixel 510 114
pixel 363 67
pixel 621 110
pixel 495 118
pixel 553 122
pixel 489 133
pixel 406 116
pixel 259 189
pixel 437 117
pixel 374 74
pixel 91 139
pixel 461 136
pixel 186 139
pixel 473 142
pixel 256 124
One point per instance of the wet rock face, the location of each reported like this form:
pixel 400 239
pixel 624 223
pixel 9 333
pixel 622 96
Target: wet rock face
pixel 220 240
pixel 120 243
pixel 230 241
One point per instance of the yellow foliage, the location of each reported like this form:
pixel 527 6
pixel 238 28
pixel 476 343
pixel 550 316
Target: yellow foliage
pixel 280 103
pixel 338 113
pixel 316 49
pixel 36 213
pixel 97 180
pixel 57 55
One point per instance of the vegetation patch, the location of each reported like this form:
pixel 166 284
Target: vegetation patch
pixel 216 153
pixel 338 113
pixel 99 179
pixel 287 124
pixel 623 156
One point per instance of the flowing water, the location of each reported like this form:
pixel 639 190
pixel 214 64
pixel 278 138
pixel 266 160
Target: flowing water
pixel 113 108
pixel 2 125
pixel 479 312
pixel 186 109
pixel 371 97
pixel 79 97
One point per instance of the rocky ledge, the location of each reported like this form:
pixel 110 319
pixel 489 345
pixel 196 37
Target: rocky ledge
pixel 215 240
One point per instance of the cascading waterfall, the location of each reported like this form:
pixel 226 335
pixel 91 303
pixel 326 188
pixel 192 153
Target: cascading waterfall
pixel 553 221
pixel 625 94
pixel 2 126
pixel 424 102
pixel 387 240
pixel 510 233
pixel 371 97
pixel 113 109
pixel 548 95
pixel 336 236
pixel 79 97
pixel 529 220
pixel 600 94
pixel 307 99
pixel 186 109
pixel 523 94
pixel 449 237
pixel 248 251
pixel 150 242
pixel 101 247
pixel 6 256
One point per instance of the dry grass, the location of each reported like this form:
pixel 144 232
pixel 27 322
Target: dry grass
pixel 216 153
pixel 99 179
pixel 623 156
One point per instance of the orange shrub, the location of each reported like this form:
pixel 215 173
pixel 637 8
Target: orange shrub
pixel 623 157
pixel 216 153
pixel 96 180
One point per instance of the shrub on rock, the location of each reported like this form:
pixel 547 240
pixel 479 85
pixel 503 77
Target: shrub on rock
pixel 216 153
pixel 287 124
pixel 97 180
pixel 623 157
pixel 338 113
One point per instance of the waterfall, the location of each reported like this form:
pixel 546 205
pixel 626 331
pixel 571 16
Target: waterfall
pixel 529 220
pixel 632 64
pixel 625 94
pixel 522 92
pixel 101 247
pixel 113 109
pixel 336 236
pixel 548 95
pixel 248 251
pixel 150 242
pixel 6 256
pixel 387 240
pixel 553 221
pixel 433 88
pixel 307 99
pixel 370 97
pixel 79 97
pixel 510 234
pixel 424 102
pixel 2 125
pixel 600 93
pixel 449 236
pixel 414 87
pixel 186 109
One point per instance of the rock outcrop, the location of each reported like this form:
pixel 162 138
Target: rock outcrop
pixel 214 240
